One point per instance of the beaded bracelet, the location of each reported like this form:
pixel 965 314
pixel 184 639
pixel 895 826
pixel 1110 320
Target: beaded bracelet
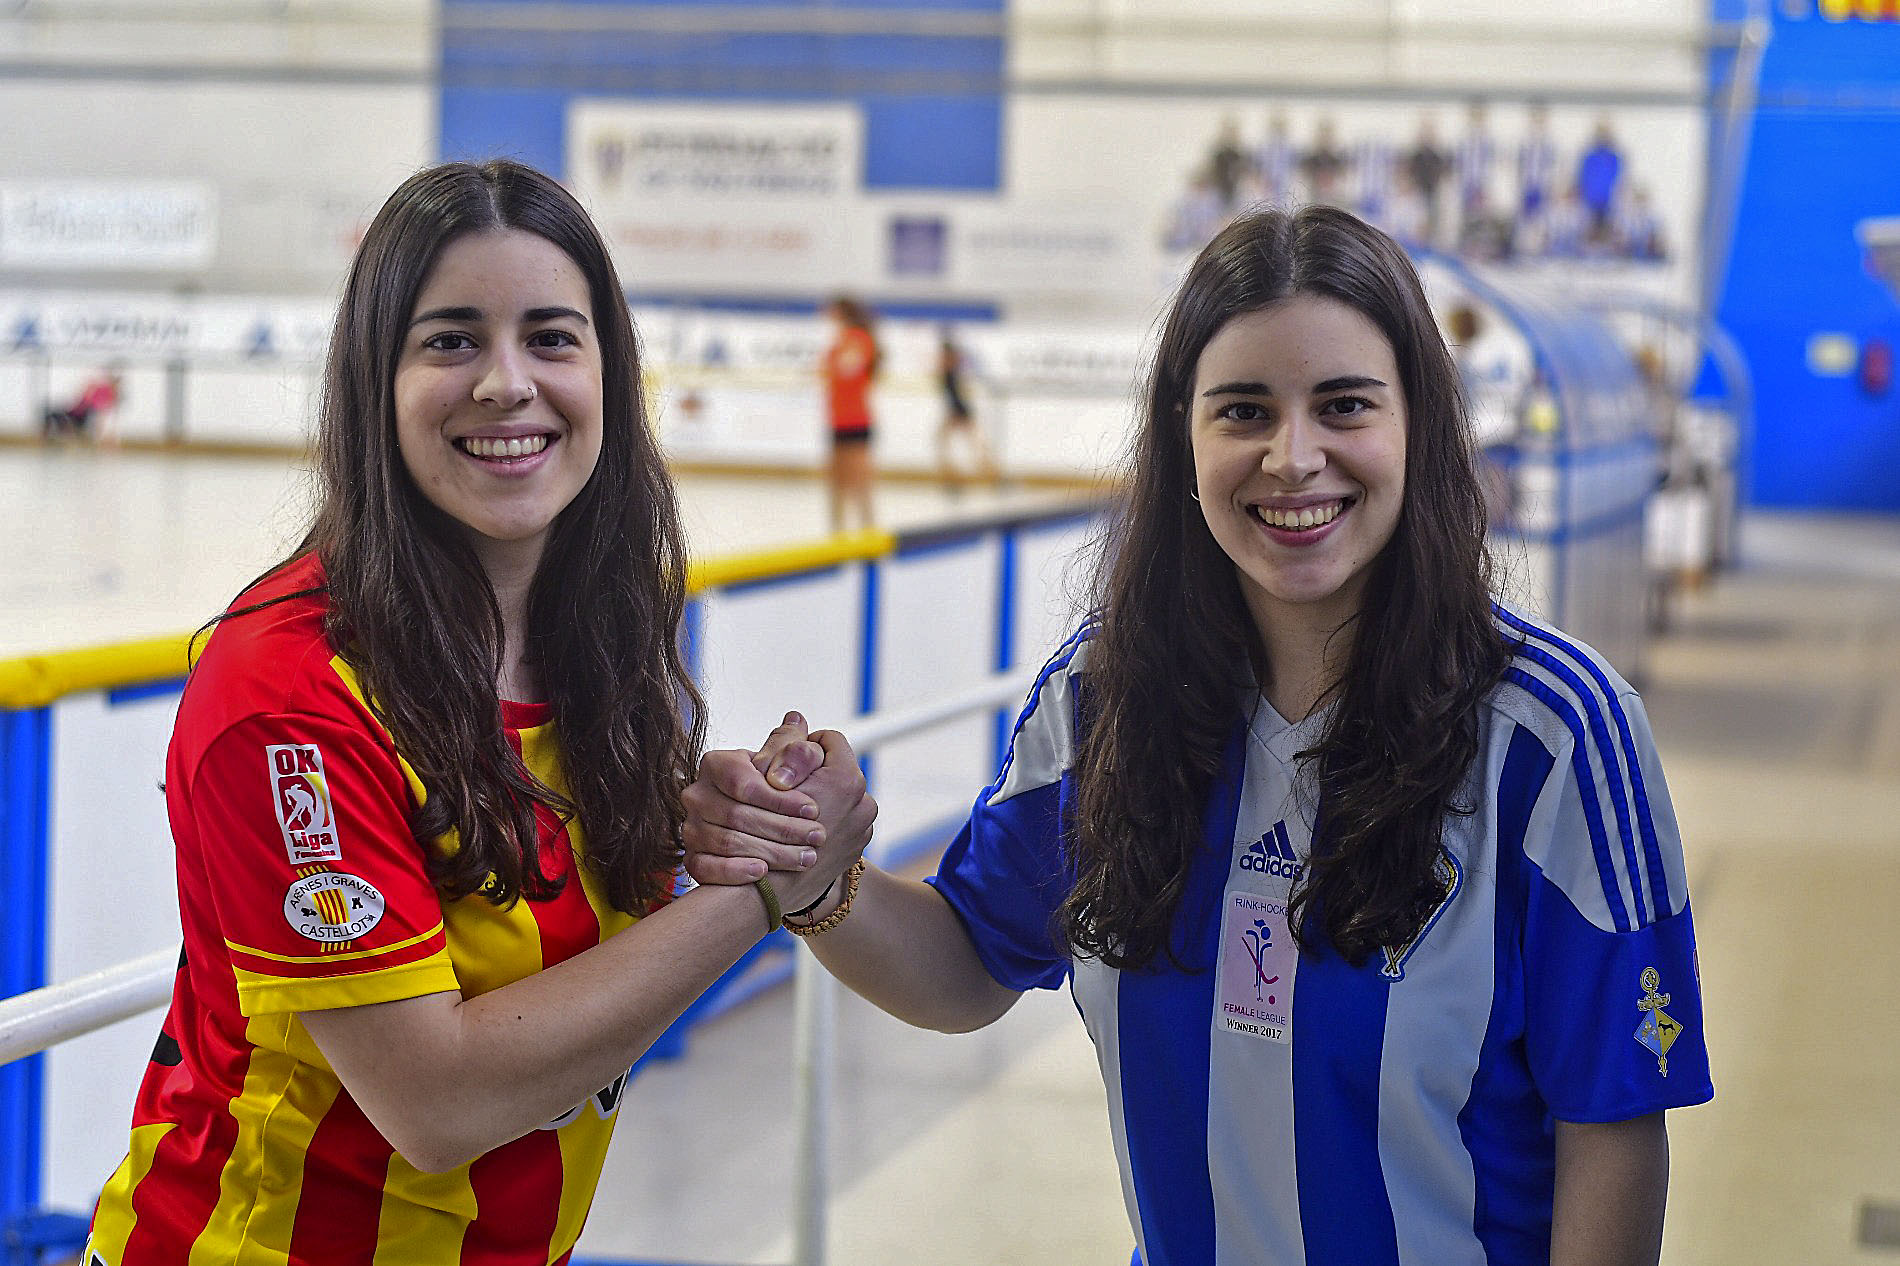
pixel 836 917
pixel 823 897
pixel 773 916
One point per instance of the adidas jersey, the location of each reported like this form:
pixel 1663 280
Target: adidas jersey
pixel 1272 1106
pixel 301 888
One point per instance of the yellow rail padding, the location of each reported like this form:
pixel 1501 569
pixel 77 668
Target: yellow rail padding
pixel 789 560
pixel 34 681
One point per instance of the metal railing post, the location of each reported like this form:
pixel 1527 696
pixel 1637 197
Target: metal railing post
pixel 34 1021
pixel 815 1011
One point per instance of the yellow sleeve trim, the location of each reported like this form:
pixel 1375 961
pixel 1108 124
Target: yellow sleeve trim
pixel 343 957
pixel 267 995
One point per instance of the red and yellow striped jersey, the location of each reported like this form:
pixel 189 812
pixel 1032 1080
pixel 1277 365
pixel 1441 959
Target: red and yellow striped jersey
pixel 301 888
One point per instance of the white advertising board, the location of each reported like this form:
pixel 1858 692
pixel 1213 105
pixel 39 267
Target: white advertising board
pixel 721 196
pixel 155 327
pixel 91 224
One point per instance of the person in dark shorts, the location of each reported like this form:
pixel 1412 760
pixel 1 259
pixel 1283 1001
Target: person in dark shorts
pixel 959 426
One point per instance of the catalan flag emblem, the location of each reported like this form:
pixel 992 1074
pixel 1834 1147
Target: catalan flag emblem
pixel 332 907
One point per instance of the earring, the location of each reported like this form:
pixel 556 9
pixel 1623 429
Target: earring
pixel 1194 493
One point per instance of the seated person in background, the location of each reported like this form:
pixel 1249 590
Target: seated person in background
pixel 99 396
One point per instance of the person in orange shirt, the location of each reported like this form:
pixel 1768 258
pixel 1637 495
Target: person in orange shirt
pixel 849 367
pixel 425 784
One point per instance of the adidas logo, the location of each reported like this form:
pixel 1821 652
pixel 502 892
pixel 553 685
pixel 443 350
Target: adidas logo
pixel 1271 854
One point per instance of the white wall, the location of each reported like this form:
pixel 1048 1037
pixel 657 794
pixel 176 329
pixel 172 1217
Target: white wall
pixel 1136 152
pixel 1342 45
pixel 300 116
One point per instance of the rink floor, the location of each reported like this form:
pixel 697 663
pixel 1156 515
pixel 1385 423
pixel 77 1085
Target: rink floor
pixel 1775 697
pixel 110 546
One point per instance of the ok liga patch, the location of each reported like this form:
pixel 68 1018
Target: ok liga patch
pixel 306 811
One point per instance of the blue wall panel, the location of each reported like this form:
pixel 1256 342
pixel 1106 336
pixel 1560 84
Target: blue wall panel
pixel 923 142
pixel 1825 154
pixel 496 122
pixel 1797 270
pixel 932 103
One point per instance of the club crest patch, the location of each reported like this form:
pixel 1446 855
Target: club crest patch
pixel 306 812
pixel 1451 877
pixel 330 907
pixel 1659 1030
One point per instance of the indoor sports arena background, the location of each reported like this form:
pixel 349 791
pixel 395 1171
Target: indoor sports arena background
pixel 1664 233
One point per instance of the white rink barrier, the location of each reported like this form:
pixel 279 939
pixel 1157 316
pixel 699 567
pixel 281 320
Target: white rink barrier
pixel 869 633
pixel 726 388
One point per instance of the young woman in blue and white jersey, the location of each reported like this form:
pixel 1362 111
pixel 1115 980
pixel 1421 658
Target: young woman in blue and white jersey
pixel 1368 889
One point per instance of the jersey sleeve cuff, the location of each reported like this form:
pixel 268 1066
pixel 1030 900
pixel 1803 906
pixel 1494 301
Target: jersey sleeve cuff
pixel 1017 971
pixel 1687 1096
pixel 260 994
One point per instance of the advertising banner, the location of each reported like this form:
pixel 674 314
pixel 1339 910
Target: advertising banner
pixel 158 327
pixel 723 196
pixel 98 225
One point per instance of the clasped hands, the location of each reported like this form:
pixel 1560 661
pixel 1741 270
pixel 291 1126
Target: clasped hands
pixel 796 812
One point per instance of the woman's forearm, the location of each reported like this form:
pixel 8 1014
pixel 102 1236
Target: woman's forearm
pixel 1612 1183
pixel 446 1079
pixel 905 949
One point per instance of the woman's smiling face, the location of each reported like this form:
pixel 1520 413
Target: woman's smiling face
pixel 498 389
pixel 1298 424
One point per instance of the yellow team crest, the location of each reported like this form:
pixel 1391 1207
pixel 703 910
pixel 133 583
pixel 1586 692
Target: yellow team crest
pixel 1659 1030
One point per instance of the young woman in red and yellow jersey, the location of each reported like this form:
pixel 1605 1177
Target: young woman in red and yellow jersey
pixel 425 784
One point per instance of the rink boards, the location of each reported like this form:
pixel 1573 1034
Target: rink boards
pixel 857 625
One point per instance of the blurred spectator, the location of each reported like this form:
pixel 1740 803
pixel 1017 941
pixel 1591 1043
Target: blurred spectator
pixel 1472 162
pixel 1197 215
pixel 1407 218
pixel 1227 164
pixel 1564 233
pixel 1494 388
pixel 1427 164
pixel 1597 174
pixel 96 400
pixel 1324 167
pixel 1536 166
pixel 1373 164
pixel 1276 163
pixel 1639 232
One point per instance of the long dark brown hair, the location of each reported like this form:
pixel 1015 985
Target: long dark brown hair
pixel 1177 653
pixel 413 612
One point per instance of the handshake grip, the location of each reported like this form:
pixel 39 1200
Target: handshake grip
pixel 794 817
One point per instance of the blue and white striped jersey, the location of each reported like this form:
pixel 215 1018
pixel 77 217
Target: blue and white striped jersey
pixel 1273 1107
